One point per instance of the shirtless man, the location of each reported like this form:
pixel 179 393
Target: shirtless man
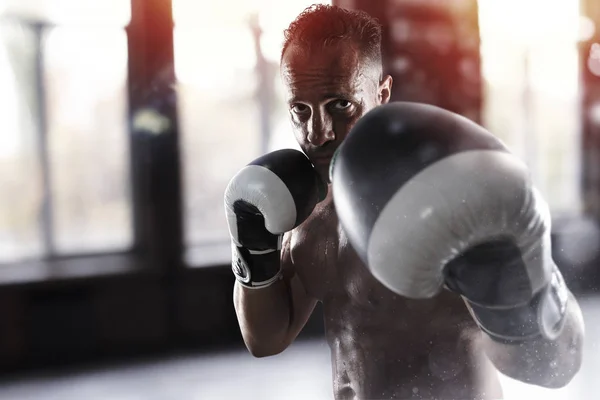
pixel 383 345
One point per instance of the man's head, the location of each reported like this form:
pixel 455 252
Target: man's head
pixel 332 71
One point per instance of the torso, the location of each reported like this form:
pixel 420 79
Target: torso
pixel 385 346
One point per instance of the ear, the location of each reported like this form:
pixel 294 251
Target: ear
pixel 385 90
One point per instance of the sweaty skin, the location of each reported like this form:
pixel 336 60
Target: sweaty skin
pixel 383 346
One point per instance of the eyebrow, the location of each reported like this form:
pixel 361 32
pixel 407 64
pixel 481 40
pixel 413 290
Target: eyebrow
pixel 331 95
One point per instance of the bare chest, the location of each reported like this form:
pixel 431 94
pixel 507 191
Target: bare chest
pixel 383 344
pixel 330 269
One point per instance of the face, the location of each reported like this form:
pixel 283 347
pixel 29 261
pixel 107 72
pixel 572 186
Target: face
pixel 328 90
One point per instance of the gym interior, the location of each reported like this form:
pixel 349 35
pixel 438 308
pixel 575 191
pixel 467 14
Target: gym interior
pixel 122 122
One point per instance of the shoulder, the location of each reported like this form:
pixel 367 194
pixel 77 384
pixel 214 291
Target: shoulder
pixel 304 239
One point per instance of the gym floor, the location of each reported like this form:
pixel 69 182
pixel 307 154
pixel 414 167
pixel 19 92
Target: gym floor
pixel 301 372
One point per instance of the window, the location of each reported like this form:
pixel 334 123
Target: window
pixel 63 152
pixel 85 76
pixel 531 73
pixel 20 198
pixel 231 106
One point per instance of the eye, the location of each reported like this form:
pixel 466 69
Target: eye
pixel 341 105
pixel 300 109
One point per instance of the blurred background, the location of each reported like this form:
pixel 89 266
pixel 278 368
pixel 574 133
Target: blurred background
pixel 121 123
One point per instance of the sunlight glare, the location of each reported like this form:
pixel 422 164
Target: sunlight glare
pixel 9 135
pixel 547 31
pixel 214 42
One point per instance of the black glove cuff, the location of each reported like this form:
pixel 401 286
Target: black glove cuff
pixel 542 316
pixel 256 269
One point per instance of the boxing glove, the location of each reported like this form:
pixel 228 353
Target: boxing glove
pixel 431 200
pixel 270 196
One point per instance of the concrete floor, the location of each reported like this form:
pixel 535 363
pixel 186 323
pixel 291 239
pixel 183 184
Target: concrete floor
pixel 301 372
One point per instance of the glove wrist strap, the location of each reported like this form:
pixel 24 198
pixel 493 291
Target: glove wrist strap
pixel 256 269
pixel 543 316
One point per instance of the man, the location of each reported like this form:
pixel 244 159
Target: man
pixel 383 345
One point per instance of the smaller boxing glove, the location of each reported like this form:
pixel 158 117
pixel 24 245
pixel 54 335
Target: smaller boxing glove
pixel 270 196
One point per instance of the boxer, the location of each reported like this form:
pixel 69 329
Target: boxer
pixel 425 321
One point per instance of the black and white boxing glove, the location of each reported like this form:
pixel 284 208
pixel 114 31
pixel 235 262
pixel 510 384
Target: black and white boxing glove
pixel 270 196
pixel 430 199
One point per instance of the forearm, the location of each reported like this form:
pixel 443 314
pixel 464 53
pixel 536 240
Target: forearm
pixel 540 361
pixel 264 317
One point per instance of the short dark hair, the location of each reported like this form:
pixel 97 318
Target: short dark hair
pixel 321 24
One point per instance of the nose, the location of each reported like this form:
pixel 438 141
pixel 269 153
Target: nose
pixel 320 130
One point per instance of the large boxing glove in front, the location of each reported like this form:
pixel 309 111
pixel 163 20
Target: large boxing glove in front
pixel 430 199
pixel 270 196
